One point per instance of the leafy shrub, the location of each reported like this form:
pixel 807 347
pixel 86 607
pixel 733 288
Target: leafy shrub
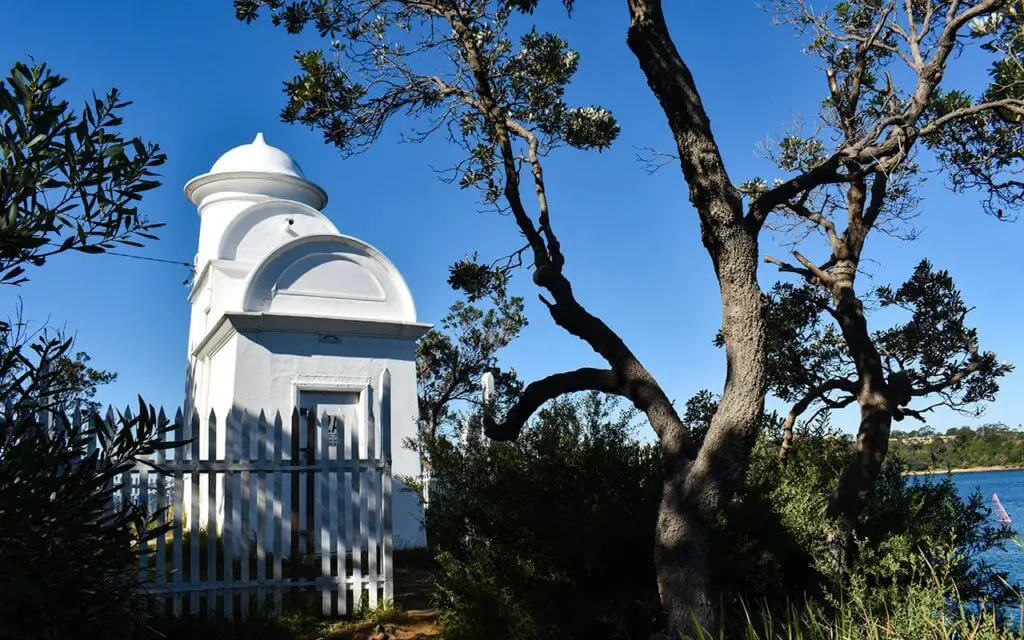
pixel 68 553
pixel 776 545
pixel 928 608
pixel 69 182
pixel 551 535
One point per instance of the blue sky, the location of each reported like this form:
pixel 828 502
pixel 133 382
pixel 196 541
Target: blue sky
pixel 203 82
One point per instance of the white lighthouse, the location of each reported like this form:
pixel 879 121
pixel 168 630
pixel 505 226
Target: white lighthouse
pixel 288 313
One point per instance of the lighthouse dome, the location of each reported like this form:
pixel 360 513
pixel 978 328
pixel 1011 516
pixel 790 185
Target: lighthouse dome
pixel 258 157
pixel 254 171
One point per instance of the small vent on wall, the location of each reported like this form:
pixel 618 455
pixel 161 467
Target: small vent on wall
pixel 328 338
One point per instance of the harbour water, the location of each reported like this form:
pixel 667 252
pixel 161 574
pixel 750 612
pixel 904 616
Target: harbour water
pixel 1009 486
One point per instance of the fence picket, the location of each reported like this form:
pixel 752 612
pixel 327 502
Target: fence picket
pixel 193 518
pixel 159 560
pixel 144 504
pixel 178 502
pixel 229 532
pixel 358 523
pixel 331 500
pixel 211 516
pixel 277 481
pixel 350 486
pixel 261 512
pixel 323 501
pixel 312 539
pixel 293 490
pixel 372 523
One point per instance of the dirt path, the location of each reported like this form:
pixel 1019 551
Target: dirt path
pixel 410 625
pixel 414 586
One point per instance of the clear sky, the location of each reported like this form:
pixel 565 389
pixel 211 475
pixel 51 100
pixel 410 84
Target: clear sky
pixel 203 83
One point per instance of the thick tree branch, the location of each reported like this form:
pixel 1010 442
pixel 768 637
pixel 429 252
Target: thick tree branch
pixel 848 110
pixel 1012 105
pixel 540 391
pixel 496 117
pixel 817 393
pixel 786 267
pixel 820 274
pixel 712 193
pixel 824 173
pixel 819 219
pixel 976 363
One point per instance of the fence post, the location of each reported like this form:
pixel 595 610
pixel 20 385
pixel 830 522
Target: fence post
pixel 372 527
pixel 245 537
pixel 385 450
pixel 277 484
pixel 261 510
pixel 229 534
pixel 160 560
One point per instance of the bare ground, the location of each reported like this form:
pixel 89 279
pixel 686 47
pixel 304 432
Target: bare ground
pixel 414 585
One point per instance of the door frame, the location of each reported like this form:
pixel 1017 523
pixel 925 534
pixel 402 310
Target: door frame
pixel 343 384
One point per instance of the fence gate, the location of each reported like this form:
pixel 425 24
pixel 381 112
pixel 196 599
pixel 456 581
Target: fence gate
pixel 294 511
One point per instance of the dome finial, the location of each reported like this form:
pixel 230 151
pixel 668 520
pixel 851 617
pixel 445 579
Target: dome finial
pixel 259 139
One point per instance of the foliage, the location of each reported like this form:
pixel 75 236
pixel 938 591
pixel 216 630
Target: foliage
pixel 892 115
pixel 776 547
pixel 959 448
pixel 82 381
pixel 263 625
pixel 68 553
pixel 931 355
pixel 452 359
pixel 75 381
pixel 377 68
pixel 69 181
pixel 903 520
pixel 928 609
pixel 541 537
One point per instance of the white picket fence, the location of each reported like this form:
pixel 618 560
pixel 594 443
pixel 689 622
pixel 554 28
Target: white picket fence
pixel 301 508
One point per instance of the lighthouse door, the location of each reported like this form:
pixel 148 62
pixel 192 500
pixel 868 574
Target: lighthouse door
pixel 339 433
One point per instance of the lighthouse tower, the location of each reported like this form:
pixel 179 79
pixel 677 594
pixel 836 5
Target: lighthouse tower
pixel 288 313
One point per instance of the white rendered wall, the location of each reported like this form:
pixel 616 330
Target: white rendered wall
pixel 268 370
pixel 273 365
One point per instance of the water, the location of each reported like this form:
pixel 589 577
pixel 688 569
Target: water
pixel 1010 487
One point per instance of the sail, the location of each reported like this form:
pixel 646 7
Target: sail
pixel 1000 511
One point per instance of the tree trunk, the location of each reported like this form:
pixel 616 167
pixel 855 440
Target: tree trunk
pixel 682 557
pixel 858 479
pixel 876 410
pixel 695 491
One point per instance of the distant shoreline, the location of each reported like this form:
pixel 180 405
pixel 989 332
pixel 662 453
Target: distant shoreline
pixel 968 470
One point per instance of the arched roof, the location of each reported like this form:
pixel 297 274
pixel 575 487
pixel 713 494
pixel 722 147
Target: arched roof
pixel 329 275
pixel 264 226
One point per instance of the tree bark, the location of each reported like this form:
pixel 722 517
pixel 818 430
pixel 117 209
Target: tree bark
pixel 696 490
pixel 876 410
pixel 697 487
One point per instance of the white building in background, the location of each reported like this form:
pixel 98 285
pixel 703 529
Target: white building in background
pixel 289 313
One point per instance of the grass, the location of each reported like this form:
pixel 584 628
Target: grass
pixel 413 572
pixel 268 625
